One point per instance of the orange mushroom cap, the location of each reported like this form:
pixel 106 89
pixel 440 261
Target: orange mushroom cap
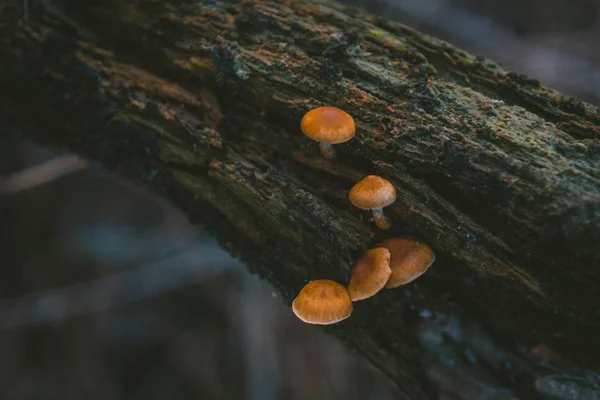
pixel 328 124
pixel 322 302
pixel 370 274
pixel 409 260
pixel 372 192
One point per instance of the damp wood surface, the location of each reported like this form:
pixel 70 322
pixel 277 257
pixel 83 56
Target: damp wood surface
pixel 202 101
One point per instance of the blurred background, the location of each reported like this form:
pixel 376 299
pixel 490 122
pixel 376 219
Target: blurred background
pixel 110 293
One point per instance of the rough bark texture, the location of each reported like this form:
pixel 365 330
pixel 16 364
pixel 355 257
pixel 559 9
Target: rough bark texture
pixel 499 174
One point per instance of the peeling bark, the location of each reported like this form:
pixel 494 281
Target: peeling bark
pixel 202 101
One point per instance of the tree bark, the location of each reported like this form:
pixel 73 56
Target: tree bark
pixel 499 174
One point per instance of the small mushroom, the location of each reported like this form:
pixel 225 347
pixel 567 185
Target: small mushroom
pixel 409 260
pixel 322 302
pixel 373 193
pixel 370 274
pixel 328 125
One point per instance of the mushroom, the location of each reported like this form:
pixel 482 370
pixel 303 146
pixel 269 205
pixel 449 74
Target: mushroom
pixel 322 302
pixel 373 193
pixel 328 125
pixel 370 274
pixel 409 260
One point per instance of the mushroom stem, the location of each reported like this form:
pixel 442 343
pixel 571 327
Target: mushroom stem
pixel 326 150
pixel 381 220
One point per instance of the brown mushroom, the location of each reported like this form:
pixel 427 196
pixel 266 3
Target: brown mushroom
pixel 409 260
pixel 328 125
pixel 370 274
pixel 374 193
pixel 322 302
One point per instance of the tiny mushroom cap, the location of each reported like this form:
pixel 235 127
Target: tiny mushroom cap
pixel 370 274
pixel 322 302
pixel 409 260
pixel 373 193
pixel 328 125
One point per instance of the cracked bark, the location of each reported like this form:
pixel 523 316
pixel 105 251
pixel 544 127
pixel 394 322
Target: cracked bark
pixel 499 174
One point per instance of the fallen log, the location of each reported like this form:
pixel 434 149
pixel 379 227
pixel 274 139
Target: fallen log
pixel 202 101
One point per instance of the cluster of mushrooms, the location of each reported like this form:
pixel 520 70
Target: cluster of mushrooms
pixel 391 263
